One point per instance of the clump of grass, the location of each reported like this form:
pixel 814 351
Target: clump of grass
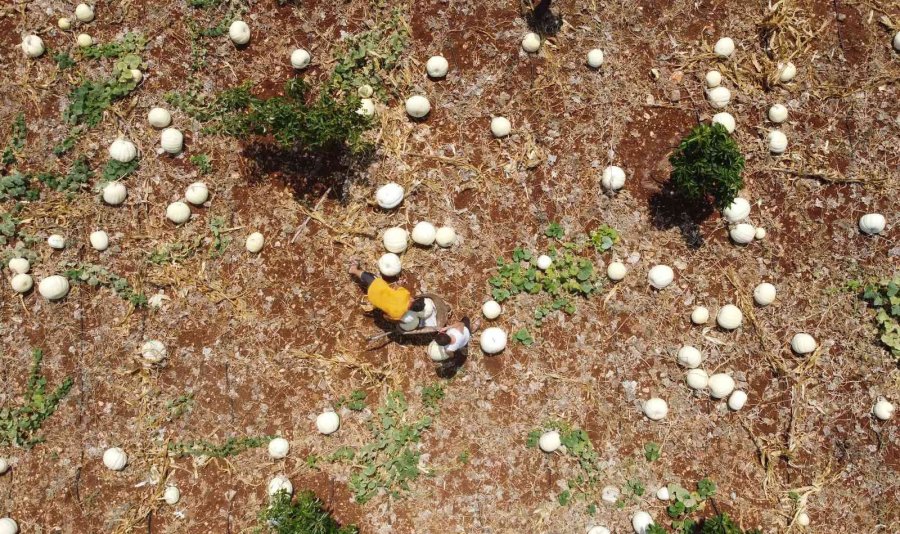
pixel 97 275
pixel 708 163
pixel 230 447
pixel 20 425
pixel 304 514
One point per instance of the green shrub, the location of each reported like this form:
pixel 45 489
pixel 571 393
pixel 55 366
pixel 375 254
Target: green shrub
pixel 708 163
pixel 884 296
pixel 302 515
pixel 19 425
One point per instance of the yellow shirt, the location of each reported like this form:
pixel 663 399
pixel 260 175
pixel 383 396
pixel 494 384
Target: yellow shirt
pixel 393 302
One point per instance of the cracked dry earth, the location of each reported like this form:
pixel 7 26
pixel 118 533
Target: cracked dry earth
pixel 263 343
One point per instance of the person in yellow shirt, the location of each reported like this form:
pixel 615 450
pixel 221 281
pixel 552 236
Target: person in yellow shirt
pixel 393 302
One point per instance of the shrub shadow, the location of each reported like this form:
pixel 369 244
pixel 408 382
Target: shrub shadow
pixel 669 209
pixel 308 174
pixel 541 19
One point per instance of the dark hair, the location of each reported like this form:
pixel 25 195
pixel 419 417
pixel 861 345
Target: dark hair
pixel 418 305
pixel 442 339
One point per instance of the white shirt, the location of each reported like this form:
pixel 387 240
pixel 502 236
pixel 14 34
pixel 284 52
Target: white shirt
pixel 460 339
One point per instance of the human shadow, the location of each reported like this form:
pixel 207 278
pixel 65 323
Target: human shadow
pixel 309 174
pixel 541 19
pixel 669 209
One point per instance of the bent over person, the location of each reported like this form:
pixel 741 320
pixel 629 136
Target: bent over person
pixel 393 302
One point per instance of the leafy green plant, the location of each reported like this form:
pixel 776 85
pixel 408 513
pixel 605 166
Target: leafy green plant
pixel 202 162
pixel 356 401
pixel 577 445
pixel 96 275
pixel 116 170
pixel 179 406
pixel 464 457
pixel 722 524
pixel 684 503
pixel 389 460
pixel 17 186
pixel 131 43
pixel 523 337
pixel 90 100
pixel 221 240
pixel 708 163
pixel 604 237
pixel 432 396
pixel 64 61
pixel 19 426
pixel 78 176
pixel 554 231
pixel 367 58
pixel 884 297
pixel 230 447
pixel 651 451
pixel 304 514
pixel 16 140
pixel 176 252
pixel 69 142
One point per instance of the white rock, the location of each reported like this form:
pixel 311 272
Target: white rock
pixel 171 140
pixel 437 66
pixel 660 276
pixel 197 193
pixel 742 233
pixel 8 526
pixel 737 211
pixel 655 408
pixel 278 484
pixel 328 422
pixel 395 239
pixel 114 193
pixel 84 13
pixel 19 265
pixel 696 379
pixel 239 32
pixel 115 459
pixel 724 47
pixel 21 283
pixel 689 357
pixel 700 315
pixel 53 287
pixel 549 441
pixel 172 495
pixel 493 340
pixel 279 448
pixel 500 126
pixel 786 72
pixel 718 97
pixel 491 309
pixel 803 343
pixel 99 240
pixel 613 178
pixel 300 58
pixel 389 264
pixel 872 223
pixel 159 117
pixel 178 212
pixel 56 241
pixel 883 409
pixel 764 294
pixel 641 522
pixel 720 385
pixel 531 42
pixel 725 119
pixel 729 317
pixel 33 46
pixel 595 58
pixel 389 196
pixel 153 351
pixel 778 113
pixel 777 142
pixel 417 106
pixel 544 262
pixel 663 493
pixel 424 233
pixel 255 242
pixel 445 236
pixel 713 79
pixel 737 400
pixel 616 271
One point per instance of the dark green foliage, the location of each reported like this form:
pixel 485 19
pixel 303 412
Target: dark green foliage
pixel 78 176
pixel 8 223
pixel 884 296
pixel 708 163
pixel 356 401
pixel 116 170
pixel 722 524
pixel 579 447
pixel 651 451
pixel 16 140
pixel 66 144
pixel 96 275
pixel 364 58
pixel 64 61
pixel 231 447
pixel 220 239
pixel 202 162
pixel 90 100
pixel 432 395
pixel 19 426
pixel 304 514
pixel 523 337
pixel 604 237
pixel 554 231
pixel 17 186
pixel 132 43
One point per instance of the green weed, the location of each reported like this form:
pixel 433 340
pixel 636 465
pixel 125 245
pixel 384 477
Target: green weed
pixel 202 162
pixel 16 142
pixel 578 446
pixel 96 275
pixel 523 337
pixel 64 61
pixel 651 451
pixel 75 180
pixel 884 297
pixel 92 98
pixel 356 401
pixel 230 447
pixel 432 396
pixel 554 231
pixel 19 426
pixel 304 514
pixel 131 44
pixel 17 186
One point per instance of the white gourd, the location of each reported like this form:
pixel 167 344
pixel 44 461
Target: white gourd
pixel 255 242
pixel 493 340
pixel 803 343
pixel 641 522
pixel 720 385
pixel 279 448
pixel 549 441
pixel 778 113
pixel 786 72
pixel 239 32
pixel 713 79
pixel 437 66
pixel 436 352
pixel 724 47
pixel 19 265
pixel 544 262
pixel 417 106
pixel 122 150
pixel 64 23
pixel 54 287
pixel 99 240
pixel 742 233
pixel 389 264
pixel 328 422
pixel 531 43
pixel 595 58
pixel 718 97
pixel 395 239
pixel 655 408
pixel 114 193
pixel 737 211
pixel 777 142
pixel 883 409
pixel 8 526
pixel 424 233
pixel 872 223
pixel 159 117
pixel 178 212
pixel 278 484
pixel 172 495
pixel 760 233
pixel 696 379
pixel 500 126
pixel 737 400
pixel 33 46
pixel 84 13
pixel 689 357
pixel 366 107
pixel 616 271
pixel 56 241
pixel 300 58
pixel 21 283
pixel 84 40
pixel 730 317
pixel 660 276
pixel 897 41
pixel 4 466
pixel 700 315
pixel 663 493
pixel 613 178
pixel 445 236
pixel 389 196
pixel 725 119
pixel 197 193
pixel 171 140
pixel 764 294
pixel 598 530
pixel 491 309
pixel 154 351
pixel 115 459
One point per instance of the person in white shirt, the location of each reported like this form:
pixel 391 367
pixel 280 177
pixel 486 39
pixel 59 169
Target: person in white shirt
pixel 454 337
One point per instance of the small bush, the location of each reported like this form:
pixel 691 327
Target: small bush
pixel 303 514
pixel 884 296
pixel 708 163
